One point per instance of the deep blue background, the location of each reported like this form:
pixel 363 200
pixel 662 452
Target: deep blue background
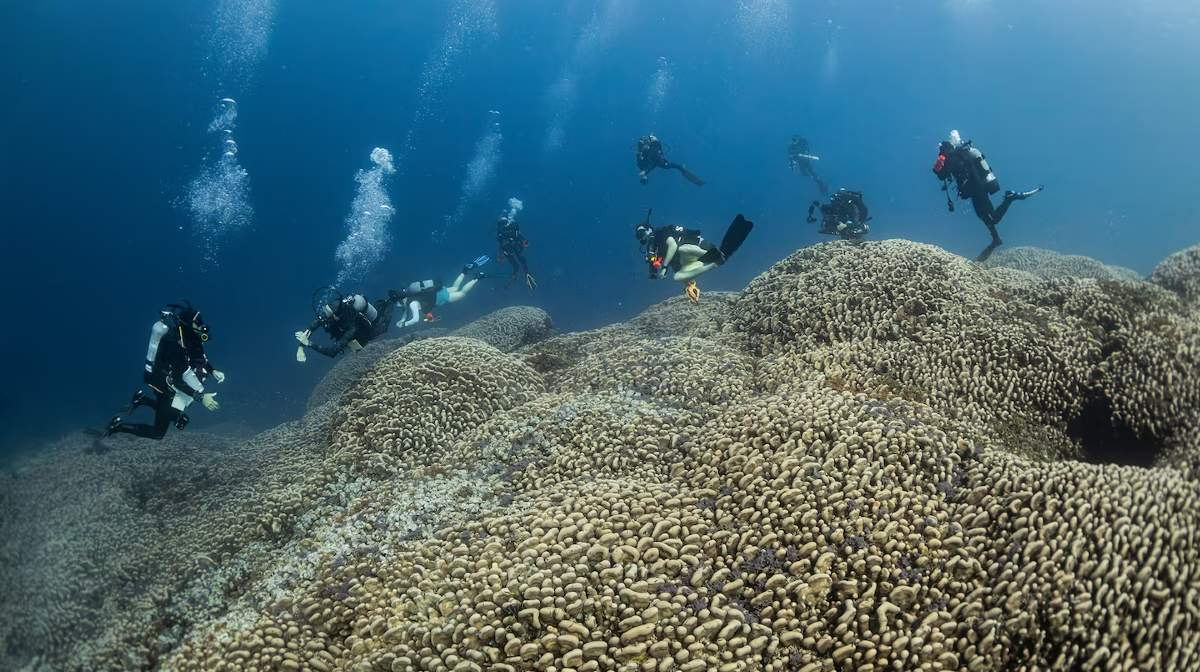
pixel 106 104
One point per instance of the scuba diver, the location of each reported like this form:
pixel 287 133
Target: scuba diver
pixel 800 158
pixel 176 368
pixel 968 167
pixel 351 322
pixel 650 155
pixel 686 252
pixel 512 246
pixel 420 298
pixel 845 215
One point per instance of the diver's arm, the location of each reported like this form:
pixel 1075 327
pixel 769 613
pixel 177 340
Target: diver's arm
pixel 190 384
pixel 338 346
pixel 812 206
pixel 414 315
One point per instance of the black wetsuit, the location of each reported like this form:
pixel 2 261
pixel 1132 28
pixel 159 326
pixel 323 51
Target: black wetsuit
pixel 656 244
pixel 179 363
pixel 971 180
pixel 846 207
pixel 512 248
pixel 650 155
pixel 348 325
pixel 798 147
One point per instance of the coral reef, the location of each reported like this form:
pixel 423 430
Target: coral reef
pixel 876 457
pixel 349 368
pixel 1050 264
pixel 1040 363
pixel 506 329
pixel 1180 273
pixel 510 328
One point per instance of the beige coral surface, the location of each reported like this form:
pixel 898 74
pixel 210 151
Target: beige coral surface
pixel 876 457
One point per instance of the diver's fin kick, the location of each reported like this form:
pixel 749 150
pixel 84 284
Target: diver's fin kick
pixel 688 175
pixel 735 235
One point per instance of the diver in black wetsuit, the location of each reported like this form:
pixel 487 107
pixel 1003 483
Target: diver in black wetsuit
pixel 650 155
pixel 176 368
pixel 801 158
pixel 686 252
pixel 960 161
pixel 512 246
pixel 351 322
pixel 845 215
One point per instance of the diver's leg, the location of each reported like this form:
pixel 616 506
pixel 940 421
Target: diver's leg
pixel 998 213
pixel 688 253
pixel 144 431
pixel 457 284
pixel 164 415
pixel 996 242
pixel 1009 198
pixel 455 295
pixel 821 186
pixel 694 269
pixel 694 260
pixel 687 174
pixel 987 214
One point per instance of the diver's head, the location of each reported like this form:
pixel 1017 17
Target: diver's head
pixel 945 147
pixel 955 138
pixel 192 319
pixel 189 317
pixel 643 232
pixel 329 311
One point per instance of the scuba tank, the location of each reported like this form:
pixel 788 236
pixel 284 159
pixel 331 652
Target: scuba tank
pixel 419 286
pixel 981 169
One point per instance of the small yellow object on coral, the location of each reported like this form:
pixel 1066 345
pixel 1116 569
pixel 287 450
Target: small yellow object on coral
pixel 692 291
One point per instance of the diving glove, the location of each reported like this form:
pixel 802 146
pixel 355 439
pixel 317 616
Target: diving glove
pixel 302 336
pixel 300 356
pixel 209 400
pixel 219 376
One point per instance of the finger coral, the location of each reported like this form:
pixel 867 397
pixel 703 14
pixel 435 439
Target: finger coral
pixel 876 457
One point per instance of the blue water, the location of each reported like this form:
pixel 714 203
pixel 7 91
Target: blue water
pixel 106 108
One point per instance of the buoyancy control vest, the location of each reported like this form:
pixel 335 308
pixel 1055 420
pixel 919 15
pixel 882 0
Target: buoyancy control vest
pixel 848 206
pixel 967 166
pixel 423 292
pixel 978 166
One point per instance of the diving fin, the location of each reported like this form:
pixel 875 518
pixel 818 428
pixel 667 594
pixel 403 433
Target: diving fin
pixel 475 265
pixel 689 175
pixel 1022 195
pixel 113 426
pixel 735 235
